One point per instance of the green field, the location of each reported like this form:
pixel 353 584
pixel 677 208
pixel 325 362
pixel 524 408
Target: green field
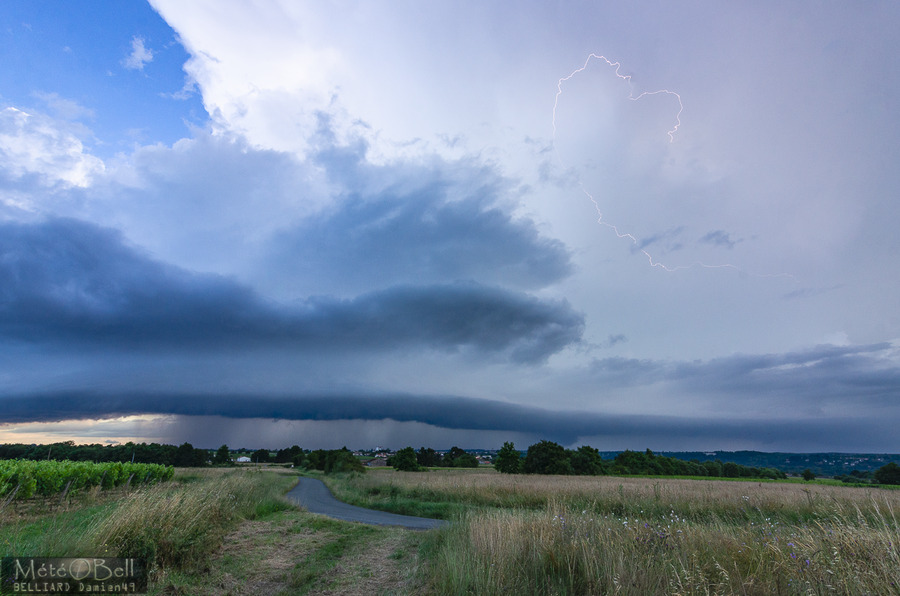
pixel 216 532
pixel 231 532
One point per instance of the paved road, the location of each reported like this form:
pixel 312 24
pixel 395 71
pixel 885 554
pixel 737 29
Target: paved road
pixel 315 496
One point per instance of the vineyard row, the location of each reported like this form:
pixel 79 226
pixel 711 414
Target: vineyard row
pixel 22 479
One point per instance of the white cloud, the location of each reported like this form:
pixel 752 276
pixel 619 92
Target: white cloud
pixel 39 147
pixel 405 74
pixel 263 79
pixel 139 55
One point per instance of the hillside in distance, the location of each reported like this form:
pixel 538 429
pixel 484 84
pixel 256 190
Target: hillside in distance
pixel 821 464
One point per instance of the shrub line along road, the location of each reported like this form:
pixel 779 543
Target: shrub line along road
pixel 315 496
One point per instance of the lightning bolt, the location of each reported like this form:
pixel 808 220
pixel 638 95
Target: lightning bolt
pixel 627 79
pixel 671 134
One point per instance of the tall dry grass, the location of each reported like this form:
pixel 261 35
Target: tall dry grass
pixel 690 498
pixel 565 551
pixel 178 525
pixel 608 535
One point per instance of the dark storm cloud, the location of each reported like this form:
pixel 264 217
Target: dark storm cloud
pixel 432 222
pixel 815 375
pixel 70 283
pixel 394 237
pixel 450 412
pixel 624 372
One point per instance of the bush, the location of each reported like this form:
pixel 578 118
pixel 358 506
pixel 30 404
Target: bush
pixel 222 456
pixel 428 458
pixel 887 474
pixel 509 460
pixel 405 460
pixel 586 461
pixel 342 460
pixel 547 457
pixel 466 460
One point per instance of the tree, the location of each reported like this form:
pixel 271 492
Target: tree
pixel 288 455
pixel 770 473
pixel 713 468
pixel 342 460
pixel 428 458
pixel 260 456
pixel 466 460
pixel 586 461
pixel 808 475
pixel 632 462
pixel 861 475
pixel 222 456
pixel 459 458
pixel 509 460
pixel 731 470
pixel 315 460
pixel 547 457
pixel 187 456
pixel 405 460
pixel 451 455
pixel 887 474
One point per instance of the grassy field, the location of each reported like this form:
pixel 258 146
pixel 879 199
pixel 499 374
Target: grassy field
pixel 218 532
pixel 606 535
pixel 231 532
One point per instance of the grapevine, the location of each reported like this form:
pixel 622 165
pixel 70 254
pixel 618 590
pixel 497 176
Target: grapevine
pixel 21 479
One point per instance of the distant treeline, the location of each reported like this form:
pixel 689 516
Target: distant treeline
pixel 326 460
pixel 331 461
pixel 547 457
pixel 821 464
pixel 409 460
pixel 887 474
pixel 185 455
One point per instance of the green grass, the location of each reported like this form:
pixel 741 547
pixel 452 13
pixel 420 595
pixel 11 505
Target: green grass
pixel 58 535
pixel 293 552
pixel 412 493
pixel 510 535
pixel 324 558
pixel 174 525
pixel 218 532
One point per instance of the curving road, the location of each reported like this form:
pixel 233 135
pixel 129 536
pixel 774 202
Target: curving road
pixel 316 498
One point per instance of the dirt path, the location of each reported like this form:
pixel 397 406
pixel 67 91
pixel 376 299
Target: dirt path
pixel 381 566
pixel 292 552
pixel 316 498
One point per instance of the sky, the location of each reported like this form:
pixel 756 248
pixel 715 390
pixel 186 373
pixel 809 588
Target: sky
pixel 623 224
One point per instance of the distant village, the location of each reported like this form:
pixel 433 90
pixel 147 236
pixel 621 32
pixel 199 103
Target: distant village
pixel 379 455
pixel 373 458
